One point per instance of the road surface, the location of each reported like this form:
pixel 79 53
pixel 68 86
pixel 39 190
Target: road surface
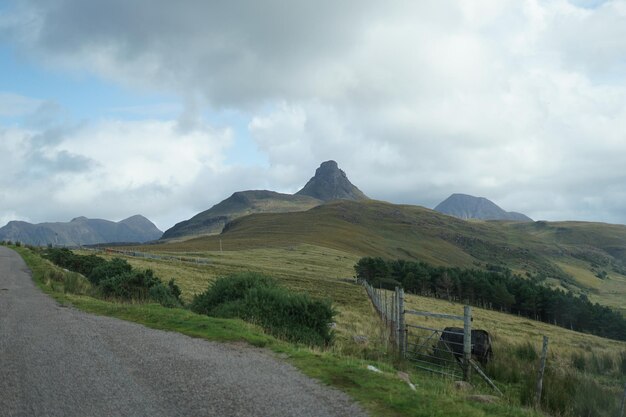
pixel 58 361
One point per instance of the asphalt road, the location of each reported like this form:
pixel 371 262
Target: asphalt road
pixel 58 361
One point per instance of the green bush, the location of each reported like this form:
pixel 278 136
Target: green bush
pixel 140 286
pixel 164 296
pixel 115 278
pixel 109 270
pixel 259 299
pixel 65 258
pixel 227 289
pixel 174 289
pixel 131 285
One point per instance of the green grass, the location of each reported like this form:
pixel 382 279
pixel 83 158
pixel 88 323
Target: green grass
pixel 380 394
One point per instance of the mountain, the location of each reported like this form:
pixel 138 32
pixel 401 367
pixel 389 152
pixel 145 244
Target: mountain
pixel 241 203
pixel 329 183
pixel 466 207
pixel 81 231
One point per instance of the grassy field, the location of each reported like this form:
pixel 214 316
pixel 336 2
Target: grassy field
pixel 597 365
pixel 382 394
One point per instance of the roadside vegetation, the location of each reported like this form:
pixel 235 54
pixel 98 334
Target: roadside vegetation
pixel 585 373
pixel 116 278
pixel 259 299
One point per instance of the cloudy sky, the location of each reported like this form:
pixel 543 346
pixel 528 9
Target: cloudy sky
pixel 112 108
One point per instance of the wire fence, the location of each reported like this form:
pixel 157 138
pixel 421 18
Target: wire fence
pixel 147 255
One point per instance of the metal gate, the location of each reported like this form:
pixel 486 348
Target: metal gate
pixel 446 352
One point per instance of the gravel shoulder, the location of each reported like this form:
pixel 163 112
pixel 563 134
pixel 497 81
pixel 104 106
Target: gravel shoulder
pixel 58 361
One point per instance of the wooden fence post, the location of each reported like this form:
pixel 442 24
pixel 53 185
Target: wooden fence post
pixel 542 367
pixel 621 409
pixel 467 342
pixel 401 326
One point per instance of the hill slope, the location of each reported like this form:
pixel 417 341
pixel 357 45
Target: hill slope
pixel 81 231
pixel 329 183
pixel 241 203
pixel 466 207
pixel 566 255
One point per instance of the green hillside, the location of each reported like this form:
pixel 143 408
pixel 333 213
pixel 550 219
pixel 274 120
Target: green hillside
pixel 239 204
pixel 582 257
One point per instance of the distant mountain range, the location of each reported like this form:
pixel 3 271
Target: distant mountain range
pixel 467 207
pixel 328 184
pixel 81 231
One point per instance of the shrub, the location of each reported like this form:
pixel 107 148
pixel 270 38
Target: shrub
pixel 115 278
pixel 108 270
pixel 259 299
pixel 130 285
pixel 231 288
pixel 65 258
pixel 174 289
pixel 140 286
pixel 164 296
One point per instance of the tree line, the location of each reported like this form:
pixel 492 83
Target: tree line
pixel 495 288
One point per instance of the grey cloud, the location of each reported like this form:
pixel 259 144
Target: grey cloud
pixel 40 164
pixel 47 115
pixel 232 52
pixel 12 105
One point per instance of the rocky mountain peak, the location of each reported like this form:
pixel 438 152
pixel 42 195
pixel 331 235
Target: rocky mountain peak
pixel 331 183
pixel 466 207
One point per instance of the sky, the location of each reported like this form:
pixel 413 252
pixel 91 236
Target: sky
pixel 161 108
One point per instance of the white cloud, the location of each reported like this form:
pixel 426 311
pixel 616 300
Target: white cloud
pixel 110 169
pixel 523 102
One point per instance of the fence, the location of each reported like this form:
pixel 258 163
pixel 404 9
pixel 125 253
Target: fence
pixel 147 255
pixel 445 351
pixel 390 307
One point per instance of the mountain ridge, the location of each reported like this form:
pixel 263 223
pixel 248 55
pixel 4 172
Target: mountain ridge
pixel 81 231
